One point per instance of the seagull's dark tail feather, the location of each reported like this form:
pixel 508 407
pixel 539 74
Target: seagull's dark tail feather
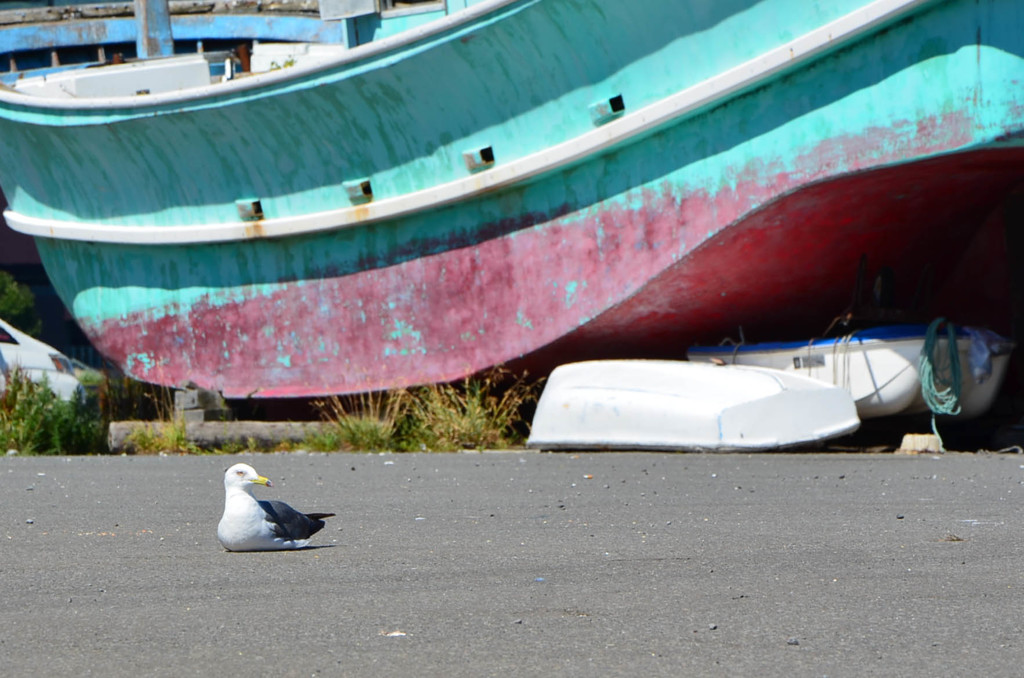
pixel 287 523
pixel 315 521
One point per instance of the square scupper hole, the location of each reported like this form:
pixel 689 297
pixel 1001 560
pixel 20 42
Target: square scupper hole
pixel 480 158
pixel 359 190
pixel 249 209
pixel 607 110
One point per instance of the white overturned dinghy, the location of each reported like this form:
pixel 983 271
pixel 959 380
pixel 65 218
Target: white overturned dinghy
pixel 676 405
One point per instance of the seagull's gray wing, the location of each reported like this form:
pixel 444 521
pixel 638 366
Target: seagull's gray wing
pixel 288 523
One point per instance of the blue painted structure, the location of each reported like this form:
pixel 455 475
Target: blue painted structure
pixel 79 33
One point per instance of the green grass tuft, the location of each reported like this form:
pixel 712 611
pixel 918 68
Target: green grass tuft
pixel 483 412
pixel 34 420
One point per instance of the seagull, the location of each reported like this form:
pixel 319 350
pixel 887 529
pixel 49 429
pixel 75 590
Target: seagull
pixel 252 525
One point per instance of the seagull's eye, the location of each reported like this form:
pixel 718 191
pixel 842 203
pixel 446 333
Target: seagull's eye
pixel 239 473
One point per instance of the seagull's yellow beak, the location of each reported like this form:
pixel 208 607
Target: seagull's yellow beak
pixel 260 480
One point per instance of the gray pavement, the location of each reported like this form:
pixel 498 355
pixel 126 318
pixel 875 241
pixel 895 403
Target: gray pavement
pixel 520 564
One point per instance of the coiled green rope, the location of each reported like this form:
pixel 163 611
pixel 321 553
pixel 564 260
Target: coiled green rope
pixel 941 392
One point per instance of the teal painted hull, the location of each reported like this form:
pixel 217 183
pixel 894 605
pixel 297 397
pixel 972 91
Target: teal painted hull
pixel 750 208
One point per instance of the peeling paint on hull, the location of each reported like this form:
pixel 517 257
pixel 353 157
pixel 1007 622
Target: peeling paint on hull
pixel 609 284
pixel 752 212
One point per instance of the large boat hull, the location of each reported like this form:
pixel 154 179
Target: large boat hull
pixel 752 208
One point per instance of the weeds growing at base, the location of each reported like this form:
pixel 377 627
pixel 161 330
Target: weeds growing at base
pixel 484 412
pixel 489 411
pixel 33 420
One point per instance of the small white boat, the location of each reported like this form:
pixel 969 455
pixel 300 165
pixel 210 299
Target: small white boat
pixel 677 405
pixel 37 361
pixel 879 367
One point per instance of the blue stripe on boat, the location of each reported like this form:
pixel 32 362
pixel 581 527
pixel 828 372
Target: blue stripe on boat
pixel 881 333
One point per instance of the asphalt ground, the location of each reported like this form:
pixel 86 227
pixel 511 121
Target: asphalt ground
pixel 520 564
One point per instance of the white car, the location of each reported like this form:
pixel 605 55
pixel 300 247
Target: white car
pixel 38 361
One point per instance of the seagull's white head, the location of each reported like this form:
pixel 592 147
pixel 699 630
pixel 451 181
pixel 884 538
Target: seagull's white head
pixel 243 476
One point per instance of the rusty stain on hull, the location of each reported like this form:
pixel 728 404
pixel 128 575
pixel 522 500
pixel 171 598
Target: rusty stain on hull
pixel 254 229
